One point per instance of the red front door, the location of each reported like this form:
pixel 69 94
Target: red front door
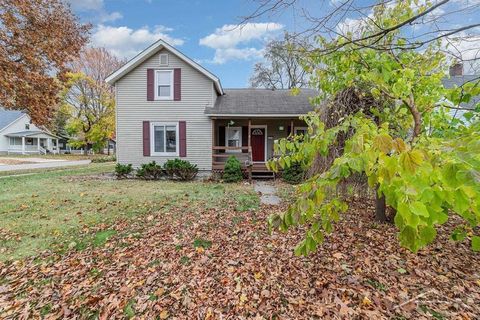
pixel 258 144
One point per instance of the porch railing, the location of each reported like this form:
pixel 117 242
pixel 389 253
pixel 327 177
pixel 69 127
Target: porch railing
pixel 220 154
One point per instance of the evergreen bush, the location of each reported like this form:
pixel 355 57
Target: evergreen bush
pixel 123 170
pixel 232 171
pixel 181 169
pixel 150 171
pixel 293 174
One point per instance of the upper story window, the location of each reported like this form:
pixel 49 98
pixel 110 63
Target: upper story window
pixel 164 85
pixel 164 139
pixel 27 126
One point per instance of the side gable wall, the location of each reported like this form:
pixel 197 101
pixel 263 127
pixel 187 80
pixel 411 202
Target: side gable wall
pixel 133 108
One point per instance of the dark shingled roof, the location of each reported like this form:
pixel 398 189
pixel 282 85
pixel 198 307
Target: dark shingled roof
pixel 262 101
pixel 8 116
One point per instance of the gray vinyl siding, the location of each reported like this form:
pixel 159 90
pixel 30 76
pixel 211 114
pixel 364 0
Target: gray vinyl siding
pixel 197 93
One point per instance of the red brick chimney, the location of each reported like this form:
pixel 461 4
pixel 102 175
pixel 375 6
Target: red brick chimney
pixel 456 70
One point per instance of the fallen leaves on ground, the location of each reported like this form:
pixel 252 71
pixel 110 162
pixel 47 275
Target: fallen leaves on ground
pixel 359 273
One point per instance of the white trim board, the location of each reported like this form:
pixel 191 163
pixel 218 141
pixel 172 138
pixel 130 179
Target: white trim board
pixel 150 51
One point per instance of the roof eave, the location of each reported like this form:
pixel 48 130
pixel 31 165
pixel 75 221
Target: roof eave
pixel 20 134
pixel 258 115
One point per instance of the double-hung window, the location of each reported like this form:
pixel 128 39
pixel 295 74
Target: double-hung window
pixel 164 85
pixel 164 139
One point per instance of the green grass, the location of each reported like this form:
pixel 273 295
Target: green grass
pixel 202 243
pixel 247 202
pixel 57 209
pixel 97 168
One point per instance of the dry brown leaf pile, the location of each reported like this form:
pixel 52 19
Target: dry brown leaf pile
pixel 359 273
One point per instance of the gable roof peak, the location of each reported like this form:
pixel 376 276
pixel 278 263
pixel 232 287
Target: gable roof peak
pixel 149 52
pixel 7 117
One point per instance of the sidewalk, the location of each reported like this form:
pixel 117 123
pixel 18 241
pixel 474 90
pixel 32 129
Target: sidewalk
pixel 43 165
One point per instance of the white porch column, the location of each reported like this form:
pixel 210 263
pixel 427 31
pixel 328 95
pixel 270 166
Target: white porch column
pixel 23 145
pixel 48 144
pixel 38 144
pixel 58 147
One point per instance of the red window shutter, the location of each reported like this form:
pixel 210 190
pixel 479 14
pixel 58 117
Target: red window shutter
pixel 177 84
pixel 182 131
pixel 150 84
pixel 146 138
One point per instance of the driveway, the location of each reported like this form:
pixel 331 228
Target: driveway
pixel 54 163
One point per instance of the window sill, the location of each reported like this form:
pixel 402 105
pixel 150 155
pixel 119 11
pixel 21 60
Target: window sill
pixel 163 99
pixel 163 154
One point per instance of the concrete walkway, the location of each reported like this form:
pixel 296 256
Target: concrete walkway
pixel 43 165
pixel 267 193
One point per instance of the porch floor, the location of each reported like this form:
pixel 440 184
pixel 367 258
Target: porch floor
pixel 256 167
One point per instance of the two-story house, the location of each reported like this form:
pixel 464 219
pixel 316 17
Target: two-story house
pixel 169 106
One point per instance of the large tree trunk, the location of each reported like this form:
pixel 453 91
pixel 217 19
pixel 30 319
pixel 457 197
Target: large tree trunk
pixel 380 208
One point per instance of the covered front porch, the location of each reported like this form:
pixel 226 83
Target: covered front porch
pixel 250 140
pixel 32 142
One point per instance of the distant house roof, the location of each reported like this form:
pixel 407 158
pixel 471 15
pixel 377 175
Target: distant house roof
pixel 8 116
pixel 457 81
pixel 262 102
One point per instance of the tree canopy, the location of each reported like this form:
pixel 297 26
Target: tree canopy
pixel 282 68
pixel 425 162
pixel 38 38
pixel 89 100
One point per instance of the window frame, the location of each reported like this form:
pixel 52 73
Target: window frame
pixel 227 129
pixel 152 138
pixel 299 128
pixel 13 139
pixel 157 97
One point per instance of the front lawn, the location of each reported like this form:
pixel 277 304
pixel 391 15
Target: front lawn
pixel 57 209
pixel 162 250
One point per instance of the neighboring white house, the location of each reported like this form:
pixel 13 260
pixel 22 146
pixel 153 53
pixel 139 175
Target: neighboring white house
pixel 19 135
